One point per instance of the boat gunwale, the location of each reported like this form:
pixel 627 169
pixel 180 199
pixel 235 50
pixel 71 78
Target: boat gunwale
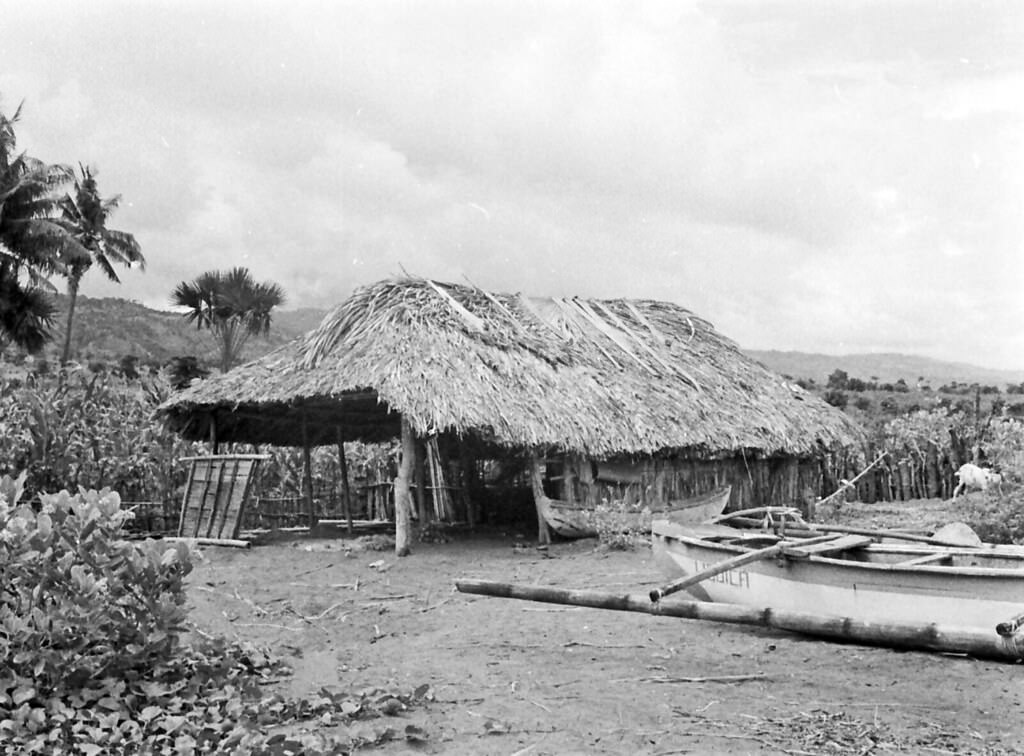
pixel 682 505
pixel 1007 573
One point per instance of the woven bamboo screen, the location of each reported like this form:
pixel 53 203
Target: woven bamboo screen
pixel 216 494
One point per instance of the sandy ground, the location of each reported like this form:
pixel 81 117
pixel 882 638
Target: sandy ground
pixel 512 677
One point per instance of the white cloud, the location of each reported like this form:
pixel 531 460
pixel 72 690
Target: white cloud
pixel 801 176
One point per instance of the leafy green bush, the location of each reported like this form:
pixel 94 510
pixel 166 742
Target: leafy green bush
pixel 1005 448
pixel 92 659
pixel 78 601
pixel 997 515
pixel 95 431
pixel 619 525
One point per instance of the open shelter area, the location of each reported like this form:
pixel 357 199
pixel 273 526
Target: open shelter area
pixel 513 677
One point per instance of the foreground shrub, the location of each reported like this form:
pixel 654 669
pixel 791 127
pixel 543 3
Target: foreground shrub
pixel 996 515
pixel 78 601
pixel 92 659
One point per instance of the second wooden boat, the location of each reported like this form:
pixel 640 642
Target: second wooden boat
pixel 579 522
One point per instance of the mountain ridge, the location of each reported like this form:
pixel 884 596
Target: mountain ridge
pixel 109 328
pixel 884 367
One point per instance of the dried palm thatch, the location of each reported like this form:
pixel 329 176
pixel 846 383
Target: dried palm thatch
pixel 600 377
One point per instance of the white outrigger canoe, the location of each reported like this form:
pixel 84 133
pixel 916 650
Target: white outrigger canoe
pixel 855 577
pixel 944 592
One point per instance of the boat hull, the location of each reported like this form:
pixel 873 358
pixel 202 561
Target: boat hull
pixel 977 597
pixel 576 522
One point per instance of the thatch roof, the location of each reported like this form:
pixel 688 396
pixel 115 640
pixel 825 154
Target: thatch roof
pixel 601 377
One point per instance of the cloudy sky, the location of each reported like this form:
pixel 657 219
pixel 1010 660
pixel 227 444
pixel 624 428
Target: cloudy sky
pixel 822 176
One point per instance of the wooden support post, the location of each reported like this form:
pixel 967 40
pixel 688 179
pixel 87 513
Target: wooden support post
pixel 213 433
pixel 536 480
pixel 423 513
pixel 346 491
pixel 403 496
pixel 585 476
pixel 469 487
pixel 568 479
pixel 307 473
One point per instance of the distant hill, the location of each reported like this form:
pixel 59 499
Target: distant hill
pixel 109 328
pixel 887 368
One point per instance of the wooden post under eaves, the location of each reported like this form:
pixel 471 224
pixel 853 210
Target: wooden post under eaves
pixel 307 473
pixel 213 433
pixel 346 492
pixel 469 483
pixel 421 483
pixel 403 494
pixel 536 479
pixel 568 479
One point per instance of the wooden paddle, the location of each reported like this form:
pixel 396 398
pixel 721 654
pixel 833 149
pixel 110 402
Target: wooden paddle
pixel 767 511
pixel 737 561
pixel 939 538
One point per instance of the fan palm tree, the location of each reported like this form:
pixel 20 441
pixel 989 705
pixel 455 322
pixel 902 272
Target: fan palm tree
pixel 32 241
pixel 84 215
pixel 232 305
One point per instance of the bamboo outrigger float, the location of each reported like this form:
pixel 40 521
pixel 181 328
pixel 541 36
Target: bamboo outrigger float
pixel 887 588
pixel 1003 644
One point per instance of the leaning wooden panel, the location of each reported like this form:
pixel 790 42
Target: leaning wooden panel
pixel 197 496
pixel 216 495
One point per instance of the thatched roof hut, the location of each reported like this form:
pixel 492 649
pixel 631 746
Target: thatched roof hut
pixel 600 378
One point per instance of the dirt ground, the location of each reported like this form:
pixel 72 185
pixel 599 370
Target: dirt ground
pixel 512 677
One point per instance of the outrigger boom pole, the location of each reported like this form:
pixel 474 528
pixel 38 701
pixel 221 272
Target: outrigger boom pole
pixel 925 637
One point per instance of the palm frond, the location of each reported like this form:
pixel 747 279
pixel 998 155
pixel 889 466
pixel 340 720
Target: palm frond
pixel 26 315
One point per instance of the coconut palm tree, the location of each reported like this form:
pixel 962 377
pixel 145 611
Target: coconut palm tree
pixel 84 215
pixel 232 305
pixel 32 241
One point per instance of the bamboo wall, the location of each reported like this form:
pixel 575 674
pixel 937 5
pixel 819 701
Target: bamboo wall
pixel 926 474
pixel 650 483
pixel 659 483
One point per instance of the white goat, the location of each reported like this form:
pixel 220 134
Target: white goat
pixel 972 476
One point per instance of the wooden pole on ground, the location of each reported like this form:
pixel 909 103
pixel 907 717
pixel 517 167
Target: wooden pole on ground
pixel 203 541
pixel 922 636
pixel 403 494
pixel 346 491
